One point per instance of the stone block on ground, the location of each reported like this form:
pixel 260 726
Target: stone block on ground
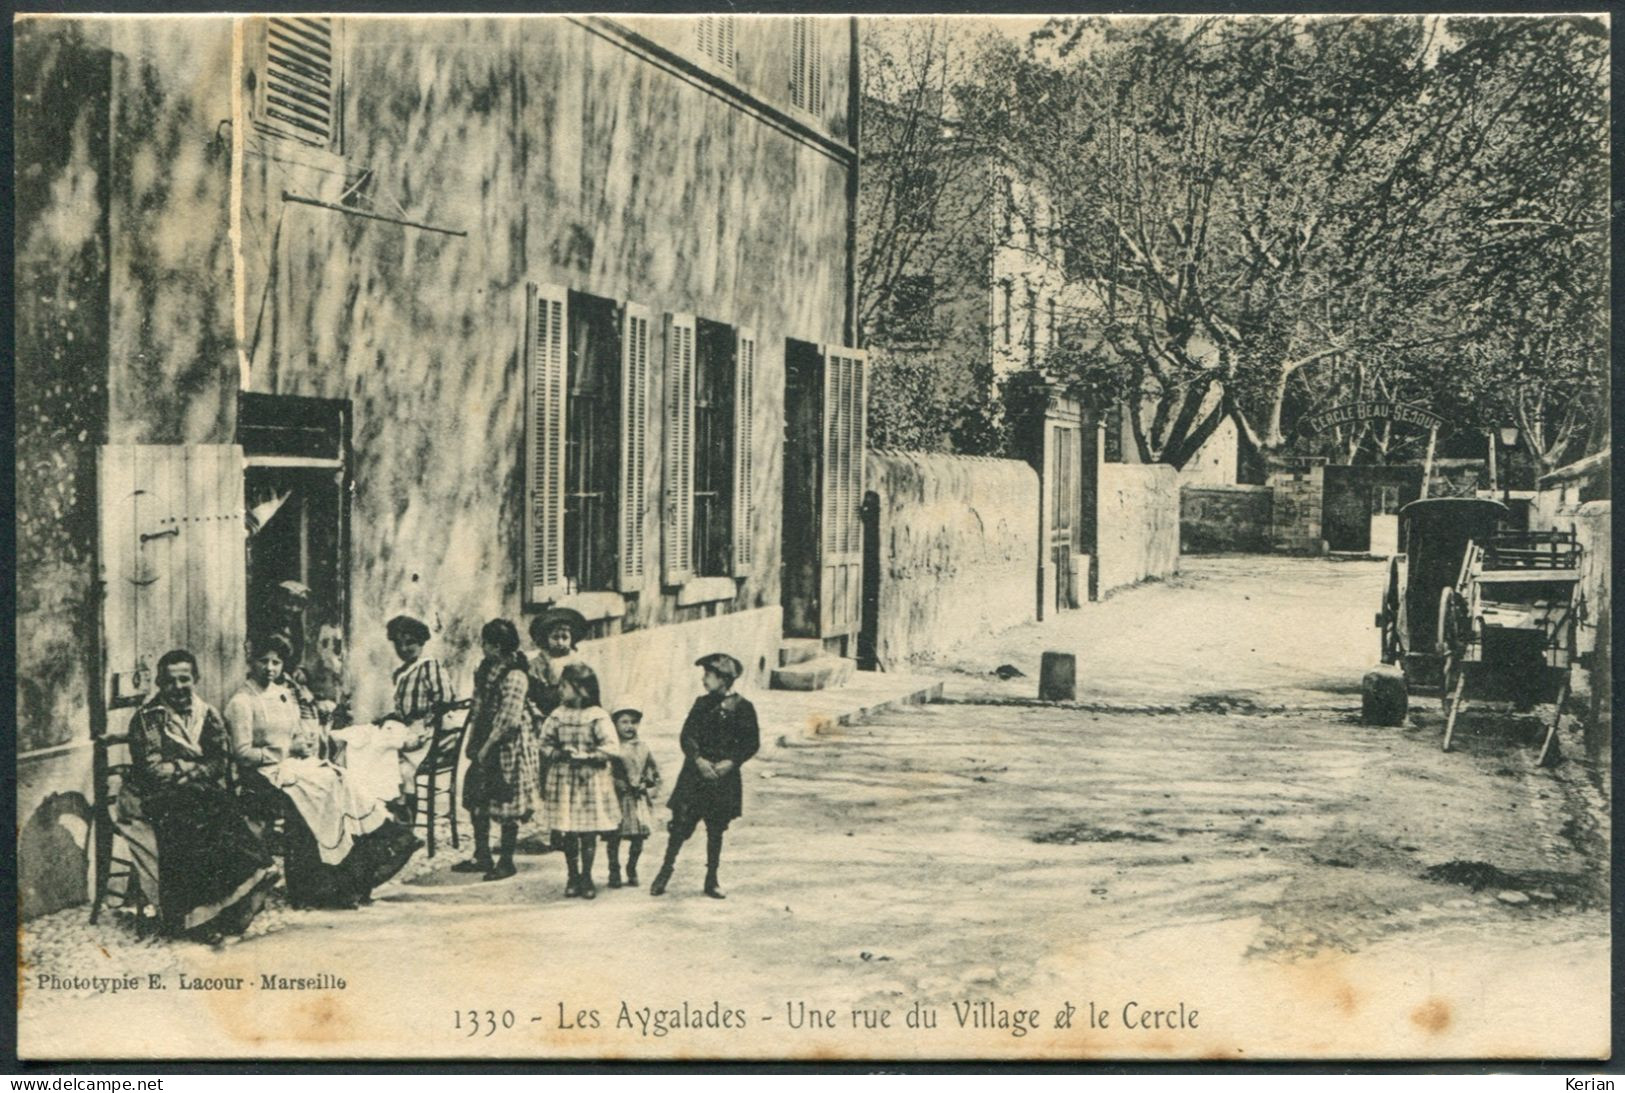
pixel 799 651
pixel 1058 678
pixel 1383 700
pixel 816 674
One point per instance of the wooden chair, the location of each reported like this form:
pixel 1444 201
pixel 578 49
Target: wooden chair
pixel 437 774
pixel 129 881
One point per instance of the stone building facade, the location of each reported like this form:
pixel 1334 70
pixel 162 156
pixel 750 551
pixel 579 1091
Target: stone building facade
pixel 463 317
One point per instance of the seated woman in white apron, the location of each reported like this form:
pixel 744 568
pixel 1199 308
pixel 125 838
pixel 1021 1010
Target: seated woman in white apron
pixel 341 841
pixel 382 757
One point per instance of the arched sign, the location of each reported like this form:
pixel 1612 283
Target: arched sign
pixel 1385 410
pixel 1369 409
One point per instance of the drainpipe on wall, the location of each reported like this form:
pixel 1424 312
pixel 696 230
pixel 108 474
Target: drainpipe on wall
pixel 853 134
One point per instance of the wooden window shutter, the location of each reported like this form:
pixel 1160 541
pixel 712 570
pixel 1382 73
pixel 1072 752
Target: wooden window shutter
pixel 547 320
pixel 635 333
pixel 806 66
pixel 299 79
pixel 714 35
pixel 744 419
pixel 679 429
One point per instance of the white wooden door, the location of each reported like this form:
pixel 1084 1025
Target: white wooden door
pixel 173 558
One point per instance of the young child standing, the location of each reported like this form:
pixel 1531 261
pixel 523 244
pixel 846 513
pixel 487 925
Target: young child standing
pixel 579 796
pixel 720 734
pixel 502 776
pixel 556 632
pixel 637 778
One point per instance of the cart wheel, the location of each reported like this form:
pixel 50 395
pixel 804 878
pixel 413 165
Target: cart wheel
pixel 1452 697
pixel 1449 633
pixel 1388 618
pixel 1548 754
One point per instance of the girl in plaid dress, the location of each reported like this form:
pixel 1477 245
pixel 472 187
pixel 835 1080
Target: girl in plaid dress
pixel 579 798
pixel 503 771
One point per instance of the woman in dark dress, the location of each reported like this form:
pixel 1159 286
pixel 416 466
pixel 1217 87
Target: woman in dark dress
pixel 720 734
pixel 212 867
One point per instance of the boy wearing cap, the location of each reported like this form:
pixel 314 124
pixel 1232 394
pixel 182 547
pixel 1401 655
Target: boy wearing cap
pixel 637 778
pixel 719 735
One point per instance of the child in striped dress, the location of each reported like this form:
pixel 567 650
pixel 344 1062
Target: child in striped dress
pixel 579 796
pixel 637 779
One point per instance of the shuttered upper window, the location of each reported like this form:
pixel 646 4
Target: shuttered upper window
pixel 714 37
pixel 806 65
pixel 587 372
pixel 710 427
pixel 298 79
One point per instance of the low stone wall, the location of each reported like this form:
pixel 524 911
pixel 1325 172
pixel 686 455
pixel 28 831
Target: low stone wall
pixel 1224 519
pixel 958 549
pixel 657 664
pixel 1592 522
pixel 1137 533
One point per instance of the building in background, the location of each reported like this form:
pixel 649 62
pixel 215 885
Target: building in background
pixel 466 317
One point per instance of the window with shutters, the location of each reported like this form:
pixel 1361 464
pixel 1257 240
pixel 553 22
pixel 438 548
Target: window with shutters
pixel 592 444
pixel 714 37
pixel 586 425
pixel 806 65
pixel 713 451
pixel 1005 320
pixel 298 79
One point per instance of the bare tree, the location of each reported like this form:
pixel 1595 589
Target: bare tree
pixel 924 176
pixel 1271 214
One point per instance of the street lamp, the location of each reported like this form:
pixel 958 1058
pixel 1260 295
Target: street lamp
pixel 1509 441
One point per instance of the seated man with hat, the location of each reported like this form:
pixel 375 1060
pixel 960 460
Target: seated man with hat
pixel 719 735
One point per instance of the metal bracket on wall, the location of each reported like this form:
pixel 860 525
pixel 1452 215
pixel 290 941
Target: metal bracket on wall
pixel 351 211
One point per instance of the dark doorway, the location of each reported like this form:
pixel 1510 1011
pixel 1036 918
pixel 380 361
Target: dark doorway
pixel 869 616
pixel 296 486
pixel 803 419
pixel 1354 495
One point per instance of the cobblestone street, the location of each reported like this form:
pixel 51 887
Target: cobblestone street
pixel 1209 826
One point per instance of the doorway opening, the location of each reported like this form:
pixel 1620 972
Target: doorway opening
pixel 297 490
pixel 803 431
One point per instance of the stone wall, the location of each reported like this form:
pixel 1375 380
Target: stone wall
pixel 1221 519
pixel 1592 523
pixel 1137 533
pixel 958 549
pixel 1297 495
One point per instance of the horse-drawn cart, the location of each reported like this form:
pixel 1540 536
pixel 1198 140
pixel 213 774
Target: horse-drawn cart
pixel 1435 534
pixel 1507 627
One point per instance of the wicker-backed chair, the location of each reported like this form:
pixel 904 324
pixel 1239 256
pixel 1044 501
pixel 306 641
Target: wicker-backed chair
pixel 438 774
pixel 126 846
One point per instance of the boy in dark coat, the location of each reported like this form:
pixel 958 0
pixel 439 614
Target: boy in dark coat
pixel 719 735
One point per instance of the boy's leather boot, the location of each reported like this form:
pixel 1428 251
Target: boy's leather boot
pixel 713 858
pixel 663 878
